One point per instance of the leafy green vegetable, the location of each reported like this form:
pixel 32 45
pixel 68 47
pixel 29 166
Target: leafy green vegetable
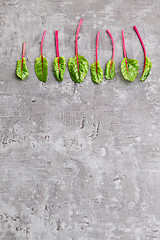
pixel 78 75
pixel 59 68
pixel 147 69
pixel 110 68
pixel 21 69
pixel 96 70
pixel 147 63
pixel 129 67
pixel 22 72
pixel 41 68
pixel 132 72
pixel 78 66
pixel 59 62
pixel 96 73
pixel 41 65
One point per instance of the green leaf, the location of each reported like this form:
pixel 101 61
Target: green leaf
pixel 97 77
pixel 23 72
pixel 133 67
pixel 76 76
pixel 41 69
pixel 110 70
pixel 147 70
pixel 59 70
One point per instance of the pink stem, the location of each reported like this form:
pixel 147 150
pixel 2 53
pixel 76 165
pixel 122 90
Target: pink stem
pixel 124 50
pixel 57 47
pixel 144 50
pixel 24 48
pixel 23 54
pixel 42 43
pixel 113 47
pixel 97 48
pixel 79 26
pixel 42 48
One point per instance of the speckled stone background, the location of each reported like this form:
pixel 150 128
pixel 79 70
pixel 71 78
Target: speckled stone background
pixel 79 161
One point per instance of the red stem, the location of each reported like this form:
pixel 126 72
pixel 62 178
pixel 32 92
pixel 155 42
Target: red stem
pixel 23 54
pixel 79 26
pixel 42 48
pixel 57 47
pixel 144 50
pixel 97 48
pixel 113 47
pixel 124 50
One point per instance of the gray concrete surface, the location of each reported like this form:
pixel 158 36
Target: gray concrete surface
pixel 79 162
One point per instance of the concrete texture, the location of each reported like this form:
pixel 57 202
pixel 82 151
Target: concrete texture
pixel 79 162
